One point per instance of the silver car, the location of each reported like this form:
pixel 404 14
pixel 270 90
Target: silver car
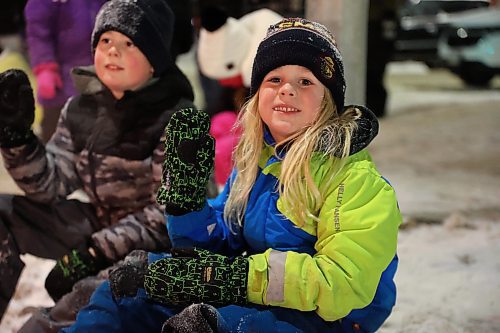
pixel 470 45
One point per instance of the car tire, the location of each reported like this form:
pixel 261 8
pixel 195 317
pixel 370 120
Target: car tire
pixel 475 74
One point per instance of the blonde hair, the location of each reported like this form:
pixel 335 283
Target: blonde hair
pixel 330 134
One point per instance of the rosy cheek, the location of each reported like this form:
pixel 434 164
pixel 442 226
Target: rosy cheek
pixel 98 59
pixel 132 61
pixel 135 61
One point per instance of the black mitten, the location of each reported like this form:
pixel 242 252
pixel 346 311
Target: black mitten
pixel 189 160
pixel 17 109
pixel 197 276
pixel 71 268
pixel 127 278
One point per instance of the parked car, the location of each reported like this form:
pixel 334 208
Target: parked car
pixel 420 24
pixel 470 45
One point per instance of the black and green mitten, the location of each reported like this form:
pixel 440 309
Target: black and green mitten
pixel 17 109
pixel 73 267
pixel 189 160
pixel 195 276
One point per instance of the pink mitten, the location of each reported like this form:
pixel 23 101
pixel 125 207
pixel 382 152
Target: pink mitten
pixel 48 79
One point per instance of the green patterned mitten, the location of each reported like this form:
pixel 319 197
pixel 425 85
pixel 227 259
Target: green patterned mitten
pixel 73 267
pixel 195 276
pixel 189 160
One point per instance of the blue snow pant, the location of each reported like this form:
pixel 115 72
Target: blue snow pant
pixel 104 314
pixel 140 314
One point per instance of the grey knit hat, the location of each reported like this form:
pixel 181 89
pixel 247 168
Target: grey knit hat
pixel 297 41
pixel 148 23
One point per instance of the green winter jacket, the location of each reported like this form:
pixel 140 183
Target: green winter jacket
pixel 344 261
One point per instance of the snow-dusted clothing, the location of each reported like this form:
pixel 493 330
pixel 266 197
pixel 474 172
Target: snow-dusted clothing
pixel 320 271
pixel 113 151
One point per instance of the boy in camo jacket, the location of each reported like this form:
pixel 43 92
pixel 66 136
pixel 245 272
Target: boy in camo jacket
pixel 108 143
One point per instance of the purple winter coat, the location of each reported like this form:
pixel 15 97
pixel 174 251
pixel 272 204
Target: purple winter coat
pixel 59 31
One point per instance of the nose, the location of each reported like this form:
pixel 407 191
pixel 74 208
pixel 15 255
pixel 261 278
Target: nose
pixel 113 51
pixel 287 90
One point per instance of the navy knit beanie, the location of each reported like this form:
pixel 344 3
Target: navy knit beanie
pixel 297 41
pixel 148 23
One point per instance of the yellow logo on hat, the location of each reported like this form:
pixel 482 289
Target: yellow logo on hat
pixel 301 24
pixel 327 67
pixel 295 24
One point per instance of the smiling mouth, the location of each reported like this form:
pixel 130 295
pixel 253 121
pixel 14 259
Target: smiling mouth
pixel 113 67
pixel 285 109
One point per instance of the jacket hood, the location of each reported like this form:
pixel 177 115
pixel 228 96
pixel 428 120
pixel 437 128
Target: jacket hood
pixel 367 129
pixel 130 126
pixel 173 85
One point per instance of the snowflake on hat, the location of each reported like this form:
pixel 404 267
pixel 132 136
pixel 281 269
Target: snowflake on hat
pixel 227 46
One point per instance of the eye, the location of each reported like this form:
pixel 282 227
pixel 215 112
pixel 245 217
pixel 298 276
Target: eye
pixel 274 79
pixel 129 44
pixel 305 82
pixel 105 40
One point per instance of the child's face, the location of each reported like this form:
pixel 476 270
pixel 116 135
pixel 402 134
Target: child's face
pixel 290 98
pixel 119 64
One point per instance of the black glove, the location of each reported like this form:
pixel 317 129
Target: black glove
pixel 197 276
pixel 189 160
pixel 17 109
pixel 71 268
pixel 127 278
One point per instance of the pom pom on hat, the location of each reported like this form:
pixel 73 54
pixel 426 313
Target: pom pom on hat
pixel 148 23
pixel 297 41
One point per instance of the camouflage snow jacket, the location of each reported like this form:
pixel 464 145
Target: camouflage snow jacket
pixel 113 151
